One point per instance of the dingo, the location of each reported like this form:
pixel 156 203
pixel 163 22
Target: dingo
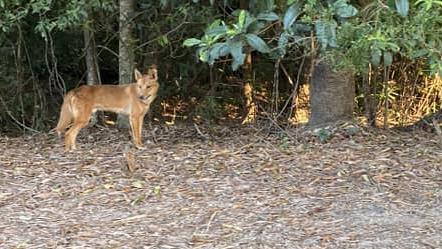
pixel 130 99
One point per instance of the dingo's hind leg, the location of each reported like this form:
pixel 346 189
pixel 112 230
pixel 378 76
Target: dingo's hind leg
pixel 65 118
pixel 81 117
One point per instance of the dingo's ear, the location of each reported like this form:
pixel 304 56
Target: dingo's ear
pixel 138 75
pixel 153 73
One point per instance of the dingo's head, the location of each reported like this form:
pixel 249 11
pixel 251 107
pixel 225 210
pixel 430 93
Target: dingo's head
pixel 147 85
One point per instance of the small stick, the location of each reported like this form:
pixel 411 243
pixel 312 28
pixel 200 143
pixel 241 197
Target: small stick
pixel 199 132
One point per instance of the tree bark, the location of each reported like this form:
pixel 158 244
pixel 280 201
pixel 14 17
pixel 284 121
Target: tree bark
pixel 369 89
pixel 331 96
pixel 250 105
pixel 126 54
pixel 91 55
pixel 92 77
pixel 247 67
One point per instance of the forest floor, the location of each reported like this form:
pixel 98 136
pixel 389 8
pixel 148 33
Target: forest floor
pixel 223 187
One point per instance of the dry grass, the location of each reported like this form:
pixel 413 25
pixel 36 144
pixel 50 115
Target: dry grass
pixel 231 188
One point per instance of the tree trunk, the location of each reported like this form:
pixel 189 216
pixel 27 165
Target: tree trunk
pixel 331 96
pixel 20 73
pixel 91 62
pixel 92 77
pixel 370 105
pixel 126 55
pixel 250 105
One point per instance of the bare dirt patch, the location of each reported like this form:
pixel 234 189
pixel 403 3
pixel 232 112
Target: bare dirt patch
pixel 232 188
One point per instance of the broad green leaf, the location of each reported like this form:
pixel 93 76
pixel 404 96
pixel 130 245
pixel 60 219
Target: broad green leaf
pixel 268 16
pixel 256 27
pixel 217 50
pixel 218 30
pixel 326 33
pixel 249 20
pixel 388 58
pixel 291 14
pixel 304 28
pixel 215 23
pixel 242 18
pixel 344 10
pixel 391 5
pixel 203 54
pixel 267 4
pixel 283 40
pixel 282 43
pixel 376 57
pixel 163 41
pixel 428 3
pixel 233 31
pixel 419 53
pixel 402 7
pixel 236 12
pixel 257 43
pixel 217 27
pixel 191 42
pixel 238 56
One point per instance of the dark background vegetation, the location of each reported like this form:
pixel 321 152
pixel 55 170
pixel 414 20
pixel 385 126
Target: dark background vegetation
pixel 391 48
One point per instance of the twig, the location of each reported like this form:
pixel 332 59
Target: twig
pixel 199 132
pixel 14 119
pixel 210 220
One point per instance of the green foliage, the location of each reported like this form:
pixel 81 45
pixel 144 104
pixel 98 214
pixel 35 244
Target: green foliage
pixel 402 7
pixel 236 50
pixel 428 4
pixel 244 32
pixel 385 32
pixel 381 45
pixel 52 15
pixel 11 13
pixel 324 134
pixel 291 15
pixel 221 39
pixel 257 43
pixel 326 33
pixel 343 9
pixel 389 93
pixel 327 16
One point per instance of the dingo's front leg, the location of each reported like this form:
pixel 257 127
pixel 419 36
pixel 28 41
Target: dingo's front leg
pixel 136 124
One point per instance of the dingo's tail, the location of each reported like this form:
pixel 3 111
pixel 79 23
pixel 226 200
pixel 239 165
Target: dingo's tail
pixel 65 115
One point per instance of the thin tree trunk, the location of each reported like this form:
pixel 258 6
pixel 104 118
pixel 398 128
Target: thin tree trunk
pixel 92 77
pixel 386 103
pixel 369 97
pixel 126 55
pixel 251 107
pixel 91 63
pixel 20 73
